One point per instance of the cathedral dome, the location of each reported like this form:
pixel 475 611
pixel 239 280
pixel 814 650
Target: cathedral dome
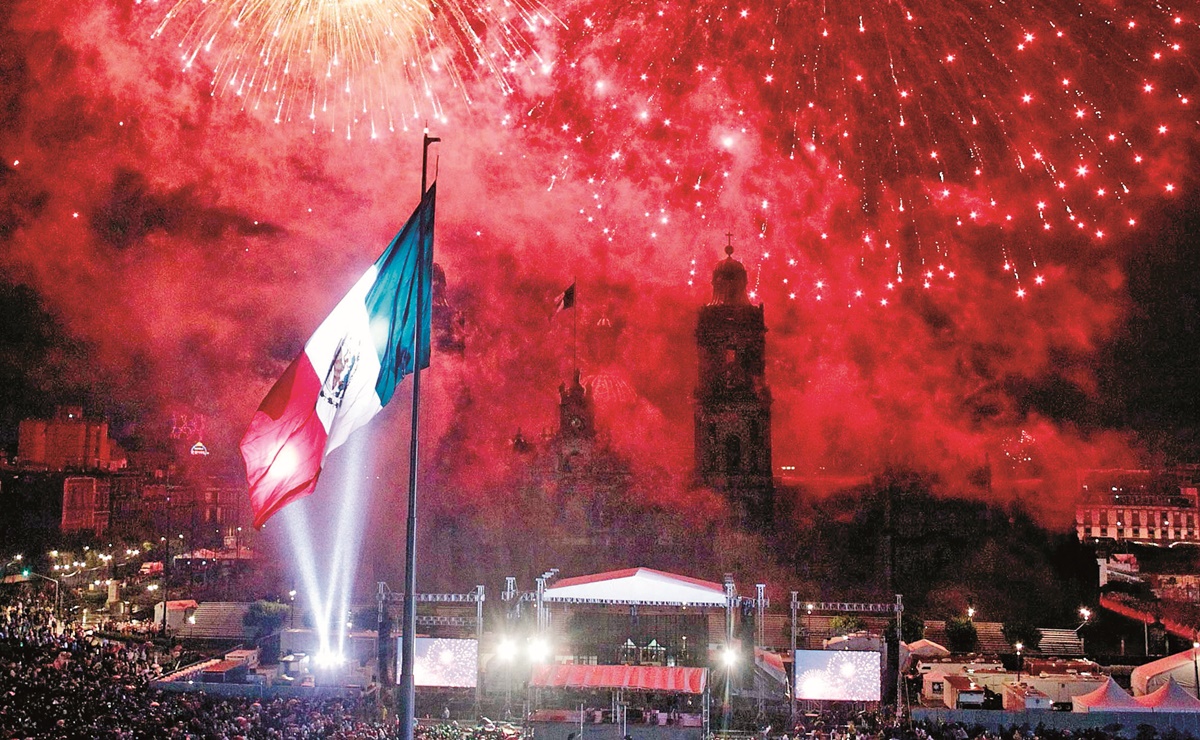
pixel 610 391
pixel 729 282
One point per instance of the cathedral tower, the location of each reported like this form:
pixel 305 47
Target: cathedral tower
pixel 732 401
pixel 576 426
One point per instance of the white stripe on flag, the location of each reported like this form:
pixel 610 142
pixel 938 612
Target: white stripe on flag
pixel 347 330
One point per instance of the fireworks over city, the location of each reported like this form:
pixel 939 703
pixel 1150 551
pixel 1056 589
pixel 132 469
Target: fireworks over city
pixel 338 64
pixel 913 136
pixel 939 205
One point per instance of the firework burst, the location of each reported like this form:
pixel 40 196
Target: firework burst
pixel 909 133
pixel 337 64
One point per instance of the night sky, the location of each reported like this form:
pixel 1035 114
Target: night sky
pixel 973 225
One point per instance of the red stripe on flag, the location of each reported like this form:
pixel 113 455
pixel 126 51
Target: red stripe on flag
pixel 285 443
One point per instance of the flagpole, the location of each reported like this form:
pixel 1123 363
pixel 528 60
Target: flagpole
pixel 575 327
pixel 407 698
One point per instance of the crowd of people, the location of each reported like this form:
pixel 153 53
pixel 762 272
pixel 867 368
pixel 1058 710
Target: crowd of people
pixel 858 725
pixel 62 682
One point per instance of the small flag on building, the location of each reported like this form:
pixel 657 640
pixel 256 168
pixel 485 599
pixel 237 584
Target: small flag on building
pixel 565 300
pixel 347 372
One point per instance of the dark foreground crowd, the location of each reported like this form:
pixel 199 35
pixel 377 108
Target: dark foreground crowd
pixel 66 684
pixel 878 726
pixel 75 685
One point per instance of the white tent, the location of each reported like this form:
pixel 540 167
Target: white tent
pixel 1108 698
pixel 637 586
pixel 1170 697
pixel 927 648
pixel 1181 666
pixel 913 651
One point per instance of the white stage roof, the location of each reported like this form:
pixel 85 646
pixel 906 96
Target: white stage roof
pixel 1180 666
pixel 637 586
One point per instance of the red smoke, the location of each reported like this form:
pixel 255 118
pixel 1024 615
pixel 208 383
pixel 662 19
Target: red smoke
pixel 197 245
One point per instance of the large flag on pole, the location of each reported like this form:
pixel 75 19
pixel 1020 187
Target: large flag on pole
pixel 347 372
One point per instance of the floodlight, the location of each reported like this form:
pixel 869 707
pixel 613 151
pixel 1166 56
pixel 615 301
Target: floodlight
pixel 506 650
pixel 328 659
pixel 539 650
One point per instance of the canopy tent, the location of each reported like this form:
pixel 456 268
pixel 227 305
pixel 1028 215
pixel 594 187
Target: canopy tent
pixel 1170 697
pixel 1181 666
pixel 1108 698
pixel 630 677
pixel 927 649
pixel 642 586
pixel 910 652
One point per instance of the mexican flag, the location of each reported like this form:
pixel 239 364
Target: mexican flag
pixel 347 372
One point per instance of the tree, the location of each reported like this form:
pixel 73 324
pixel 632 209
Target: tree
pixel 1022 632
pixel 844 624
pixel 264 620
pixel 912 627
pixel 960 633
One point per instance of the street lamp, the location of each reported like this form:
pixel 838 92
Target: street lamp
pixel 1019 648
pixel 1085 614
pixel 52 580
pixel 970 612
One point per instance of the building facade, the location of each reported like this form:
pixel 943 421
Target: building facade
pixel 1138 506
pixel 85 505
pixel 67 441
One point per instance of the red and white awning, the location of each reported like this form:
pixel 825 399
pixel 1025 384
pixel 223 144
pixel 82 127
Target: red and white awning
pixel 631 677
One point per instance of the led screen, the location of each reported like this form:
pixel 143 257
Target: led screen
pixel 837 675
pixel 439 662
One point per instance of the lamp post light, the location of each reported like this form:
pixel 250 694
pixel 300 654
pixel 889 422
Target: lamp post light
pixel 56 588
pixel 970 612
pixel 166 556
pixel 1085 614
pixel 16 559
pixel 1019 648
